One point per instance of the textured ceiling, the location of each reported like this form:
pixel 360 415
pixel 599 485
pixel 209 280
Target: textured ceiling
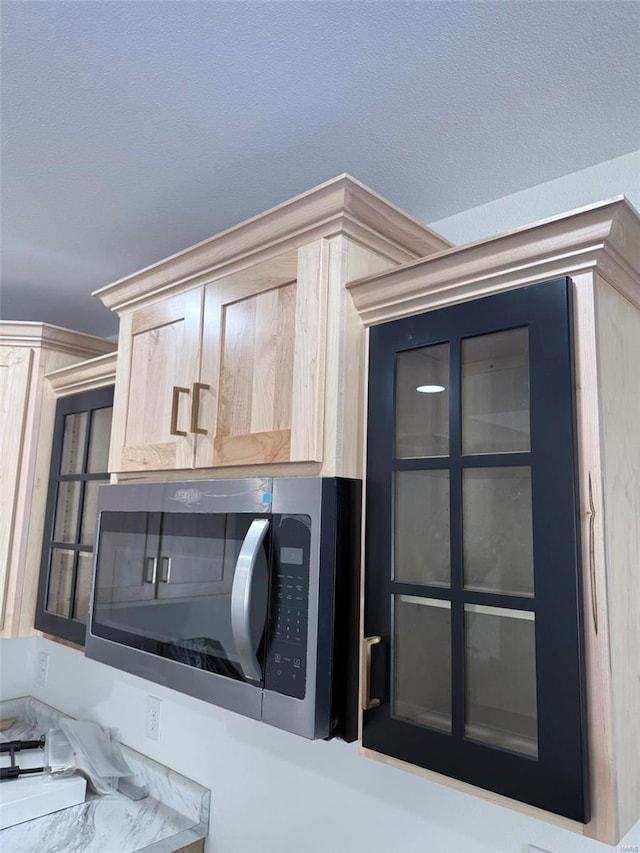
pixel 134 129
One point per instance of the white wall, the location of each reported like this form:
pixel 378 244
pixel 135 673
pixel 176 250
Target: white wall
pixel 606 180
pixel 17 667
pixel 273 792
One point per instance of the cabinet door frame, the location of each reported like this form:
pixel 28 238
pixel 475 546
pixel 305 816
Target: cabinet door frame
pixel 307 270
pixel 67 627
pixel 177 452
pixel 557 780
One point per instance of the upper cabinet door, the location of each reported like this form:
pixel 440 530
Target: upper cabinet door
pixel 472 582
pixel 156 385
pixel 230 373
pixel 263 359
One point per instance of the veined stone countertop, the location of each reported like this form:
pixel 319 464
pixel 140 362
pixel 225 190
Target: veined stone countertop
pixel 175 814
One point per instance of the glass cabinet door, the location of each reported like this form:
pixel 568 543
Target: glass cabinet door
pixel 472 580
pixel 79 462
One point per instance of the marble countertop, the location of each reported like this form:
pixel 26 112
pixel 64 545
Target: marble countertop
pixel 175 814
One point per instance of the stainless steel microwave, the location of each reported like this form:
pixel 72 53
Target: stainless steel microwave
pixel 243 593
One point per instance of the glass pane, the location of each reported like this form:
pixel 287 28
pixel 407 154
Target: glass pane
pixel 60 582
pixel 90 511
pixel 422 402
pixel 498 532
pixel 67 507
pixel 99 437
pixel 500 706
pixel 83 587
pixel 421 532
pixel 75 427
pixel 495 393
pixel 422 661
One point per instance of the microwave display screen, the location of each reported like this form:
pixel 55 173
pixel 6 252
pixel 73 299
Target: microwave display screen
pixel 292 556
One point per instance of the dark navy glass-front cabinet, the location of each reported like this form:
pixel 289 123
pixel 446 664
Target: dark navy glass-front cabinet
pixel 472 598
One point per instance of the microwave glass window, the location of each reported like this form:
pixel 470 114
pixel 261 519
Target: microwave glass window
pixel 164 583
pixel 194 558
pixel 127 565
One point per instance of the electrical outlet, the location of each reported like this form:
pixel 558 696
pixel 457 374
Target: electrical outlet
pixel 42 672
pixel 152 724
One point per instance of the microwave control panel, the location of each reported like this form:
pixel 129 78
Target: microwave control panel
pixel 286 658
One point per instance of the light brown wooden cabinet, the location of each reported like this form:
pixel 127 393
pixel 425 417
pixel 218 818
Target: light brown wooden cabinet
pixel 27 407
pixel 214 372
pixel 243 350
pixel 598 249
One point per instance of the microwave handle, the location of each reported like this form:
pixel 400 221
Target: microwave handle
pixel 241 598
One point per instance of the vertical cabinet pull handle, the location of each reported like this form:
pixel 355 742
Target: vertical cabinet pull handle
pixel 366 702
pixel 174 410
pixel 592 557
pixel 195 407
pixel 165 571
pixel 152 570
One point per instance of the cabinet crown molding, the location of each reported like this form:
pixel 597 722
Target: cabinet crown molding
pixel 342 205
pixel 603 237
pixel 84 375
pixel 56 338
